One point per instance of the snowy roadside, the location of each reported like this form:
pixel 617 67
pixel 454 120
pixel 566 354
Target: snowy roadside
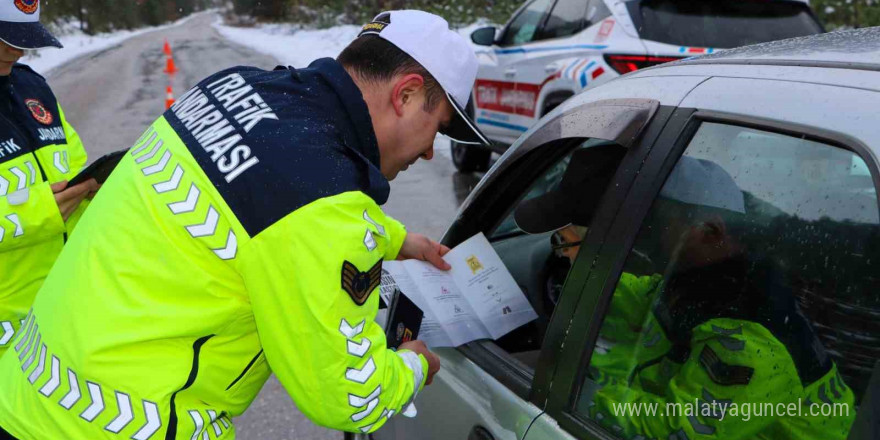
pixel 77 44
pixel 298 47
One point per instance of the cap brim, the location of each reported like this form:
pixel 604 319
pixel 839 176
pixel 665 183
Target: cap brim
pixel 544 213
pixel 26 36
pixel 462 129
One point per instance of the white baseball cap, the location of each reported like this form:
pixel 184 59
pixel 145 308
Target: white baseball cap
pixel 20 25
pixel 446 55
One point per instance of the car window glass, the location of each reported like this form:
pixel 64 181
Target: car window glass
pixel 596 11
pixel 566 18
pixel 724 24
pixel 524 27
pixel 543 228
pixel 750 295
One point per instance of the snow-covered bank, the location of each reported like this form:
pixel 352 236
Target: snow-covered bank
pixel 291 45
pixel 77 44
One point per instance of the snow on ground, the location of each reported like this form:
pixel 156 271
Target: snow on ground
pixel 76 44
pixel 292 45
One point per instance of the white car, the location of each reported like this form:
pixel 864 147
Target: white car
pixel 553 49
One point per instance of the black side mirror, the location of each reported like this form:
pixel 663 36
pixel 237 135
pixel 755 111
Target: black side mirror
pixel 484 36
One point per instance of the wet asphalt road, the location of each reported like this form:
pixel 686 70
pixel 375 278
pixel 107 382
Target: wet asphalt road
pixel 111 96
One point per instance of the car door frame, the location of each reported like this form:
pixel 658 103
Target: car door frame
pixel 486 202
pixel 580 336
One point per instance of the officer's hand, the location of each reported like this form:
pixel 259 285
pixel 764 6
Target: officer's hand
pixel 420 247
pixel 422 349
pixel 68 199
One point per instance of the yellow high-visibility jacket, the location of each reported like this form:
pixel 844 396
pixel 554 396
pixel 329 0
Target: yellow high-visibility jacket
pixel 37 148
pixel 241 235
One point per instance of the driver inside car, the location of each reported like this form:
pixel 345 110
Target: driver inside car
pixel 713 326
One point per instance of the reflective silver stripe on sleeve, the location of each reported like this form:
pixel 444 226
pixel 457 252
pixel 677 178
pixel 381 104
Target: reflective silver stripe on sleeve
pixel 412 361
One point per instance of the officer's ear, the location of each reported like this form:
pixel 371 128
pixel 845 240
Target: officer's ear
pixel 406 92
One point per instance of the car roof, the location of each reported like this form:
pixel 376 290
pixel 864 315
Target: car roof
pixel 852 49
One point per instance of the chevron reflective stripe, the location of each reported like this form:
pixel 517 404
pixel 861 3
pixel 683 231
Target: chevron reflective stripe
pixel 41 366
pixel 350 332
pixel 123 402
pixel 30 360
pixel 150 154
pixel 30 338
pixel 188 205
pixel 370 402
pixel 144 135
pixel 8 329
pixel 19 231
pixel 212 416
pixel 170 184
pixel 200 425
pixel 208 227
pixel 74 394
pixel 26 333
pixel 154 422
pixel 385 413
pixel 4 186
pixel 363 374
pixel 379 228
pixel 30 167
pixel 54 378
pixel 97 406
pixel 158 166
pixel 144 145
pixel 22 177
pixel 228 252
pixel 224 422
pixel 359 350
pixel 58 160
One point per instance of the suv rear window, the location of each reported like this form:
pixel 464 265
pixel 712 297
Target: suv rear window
pixel 723 24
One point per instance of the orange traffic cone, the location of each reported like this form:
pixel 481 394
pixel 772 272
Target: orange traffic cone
pixel 170 68
pixel 167 48
pixel 169 97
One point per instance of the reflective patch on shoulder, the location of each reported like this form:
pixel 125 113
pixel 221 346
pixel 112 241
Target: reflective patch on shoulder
pixel 722 373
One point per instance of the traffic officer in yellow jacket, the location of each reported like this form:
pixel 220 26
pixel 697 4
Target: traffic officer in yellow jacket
pixel 39 152
pixel 242 234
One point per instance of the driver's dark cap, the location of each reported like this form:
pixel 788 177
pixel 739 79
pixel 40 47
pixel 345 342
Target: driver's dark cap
pixel 588 173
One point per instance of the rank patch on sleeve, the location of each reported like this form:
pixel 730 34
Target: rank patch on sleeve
pixel 723 373
pixel 359 284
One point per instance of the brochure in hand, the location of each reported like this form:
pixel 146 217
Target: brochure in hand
pixel 476 299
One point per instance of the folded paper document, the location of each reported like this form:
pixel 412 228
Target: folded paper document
pixel 476 299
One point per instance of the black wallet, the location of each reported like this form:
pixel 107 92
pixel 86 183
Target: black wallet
pixel 404 320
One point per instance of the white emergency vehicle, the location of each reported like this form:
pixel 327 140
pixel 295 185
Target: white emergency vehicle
pixel 553 49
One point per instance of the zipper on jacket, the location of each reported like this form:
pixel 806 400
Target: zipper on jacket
pixel 249 365
pixel 171 433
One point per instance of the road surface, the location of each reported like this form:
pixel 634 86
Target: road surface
pixel 111 96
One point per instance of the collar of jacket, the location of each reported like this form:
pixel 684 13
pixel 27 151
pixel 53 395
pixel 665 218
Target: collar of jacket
pixel 363 142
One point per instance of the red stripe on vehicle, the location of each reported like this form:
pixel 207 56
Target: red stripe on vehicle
pixel 507 97
pixel 598 72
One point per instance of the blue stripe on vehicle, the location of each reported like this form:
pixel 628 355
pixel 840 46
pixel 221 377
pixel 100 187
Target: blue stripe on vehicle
pixel 502 124
pixel 570 66
pixel 584 73
pixel 545 49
